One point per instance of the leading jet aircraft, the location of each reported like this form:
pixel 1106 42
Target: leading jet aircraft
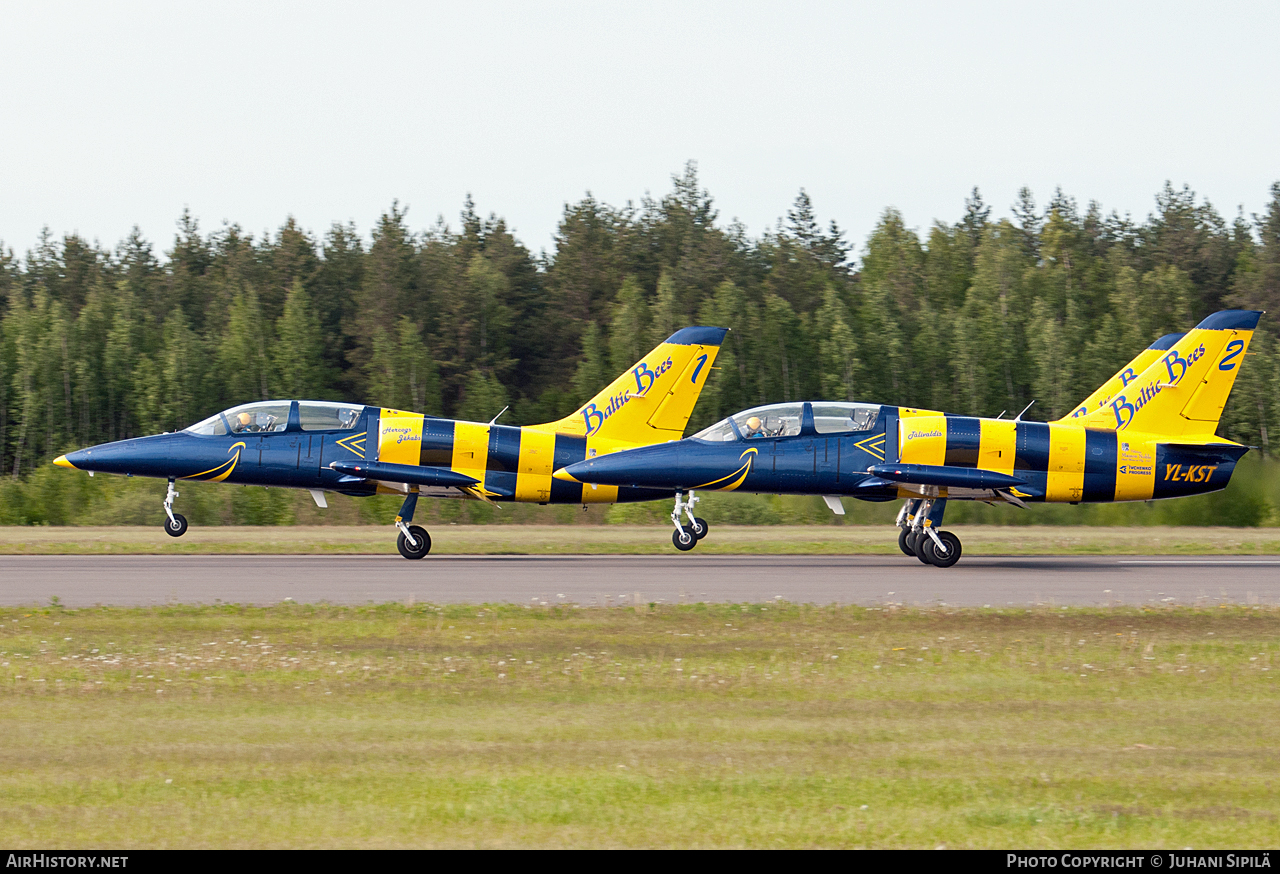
pixel 1148 432
pixel 364 450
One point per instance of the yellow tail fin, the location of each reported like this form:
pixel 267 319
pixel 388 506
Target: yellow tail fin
pixel 1122 377
pixel 1182 393
pixel 652 401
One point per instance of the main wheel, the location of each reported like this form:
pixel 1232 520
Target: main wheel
pixel 684 540
pixel 904 542
pixel 177 526
pixel 946 557
pixel 699 527
pixel 423 546
pixel 918 545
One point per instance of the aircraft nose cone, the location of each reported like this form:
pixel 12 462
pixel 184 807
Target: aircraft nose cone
pixel 74 460
pixel 631 467
pixel 563 475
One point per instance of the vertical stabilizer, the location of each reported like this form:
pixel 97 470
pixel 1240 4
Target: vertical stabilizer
pixel 651 402
pixel 1182 393
pixel 1122 377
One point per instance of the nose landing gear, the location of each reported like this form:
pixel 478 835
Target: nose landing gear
pixel 920 535
pixel 686 538
pixel 176 525
pixel 414 542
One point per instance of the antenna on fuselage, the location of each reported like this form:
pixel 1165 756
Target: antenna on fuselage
pixel 1017 418
pixel 1002 412
pixel 507 407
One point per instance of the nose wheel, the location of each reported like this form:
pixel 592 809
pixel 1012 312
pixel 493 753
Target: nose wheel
pixel 414 542
pixel 176 524
pixel 686 536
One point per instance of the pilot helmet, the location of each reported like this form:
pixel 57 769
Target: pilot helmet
pixel 753 423
pixel 244 419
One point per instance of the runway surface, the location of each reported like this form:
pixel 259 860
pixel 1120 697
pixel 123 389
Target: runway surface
pixel 80 581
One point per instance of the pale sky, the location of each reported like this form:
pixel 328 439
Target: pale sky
pixel 116 114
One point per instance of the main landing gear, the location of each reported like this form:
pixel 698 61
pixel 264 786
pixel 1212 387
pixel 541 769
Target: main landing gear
pixel 176 524
pixel 919 535
pixel 414 542
pixel 686 537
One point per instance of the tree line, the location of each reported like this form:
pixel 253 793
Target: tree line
pixel 976 316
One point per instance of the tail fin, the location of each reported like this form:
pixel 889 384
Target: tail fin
pixel 1123 377
pixel 1183 392
pixel 652 401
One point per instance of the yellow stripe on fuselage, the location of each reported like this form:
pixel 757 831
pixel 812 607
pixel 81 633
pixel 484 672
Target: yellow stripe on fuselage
pixel 533 472
pixel 399 437
pixel 1066 464
pixel 999 445
pixel 1135 468
pixel 922 437
pixel 470 449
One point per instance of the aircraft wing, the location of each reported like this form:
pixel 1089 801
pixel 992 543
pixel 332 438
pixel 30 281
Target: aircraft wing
pixel 945 476
pixel 404 473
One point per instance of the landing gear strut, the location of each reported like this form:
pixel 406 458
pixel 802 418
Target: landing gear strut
pixel 414 542
pixel 920 533
pixel 176 526
pixel 686 538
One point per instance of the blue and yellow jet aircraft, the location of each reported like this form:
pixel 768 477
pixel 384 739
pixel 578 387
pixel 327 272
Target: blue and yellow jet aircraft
pixel 362 450
pixel 1148 432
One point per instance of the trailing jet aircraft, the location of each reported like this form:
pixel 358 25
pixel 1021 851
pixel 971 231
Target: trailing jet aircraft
pixel 1148 432
pixel 362 450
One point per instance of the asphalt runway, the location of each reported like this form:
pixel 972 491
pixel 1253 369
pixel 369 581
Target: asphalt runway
pixel 82 581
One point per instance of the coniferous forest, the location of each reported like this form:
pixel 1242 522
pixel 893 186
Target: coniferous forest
pixel 976 315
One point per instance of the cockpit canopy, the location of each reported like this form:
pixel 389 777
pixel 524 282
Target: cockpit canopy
pixel 266 416
pixel 783 420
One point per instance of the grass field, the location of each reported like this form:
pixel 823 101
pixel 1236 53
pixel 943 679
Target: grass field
pixel 758 725
pixel 636 540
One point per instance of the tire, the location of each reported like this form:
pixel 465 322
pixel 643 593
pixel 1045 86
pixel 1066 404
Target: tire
pixel 699 527
pixel 177 527
pixel 918 545
pixel 684 540
pixel 952 554
pixel 424 543
pixel 903 535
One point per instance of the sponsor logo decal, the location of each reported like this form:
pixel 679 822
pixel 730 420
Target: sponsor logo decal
pixel 645 377
pixel 920 435
pixel 1176 367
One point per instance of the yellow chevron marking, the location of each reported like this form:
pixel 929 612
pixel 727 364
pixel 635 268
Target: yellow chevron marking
pixel 228 465
pixel 740 473
pixel 354 443
pixel 873 445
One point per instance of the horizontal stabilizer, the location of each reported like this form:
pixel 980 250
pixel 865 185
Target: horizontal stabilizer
pixel 411 474
pixel 945 476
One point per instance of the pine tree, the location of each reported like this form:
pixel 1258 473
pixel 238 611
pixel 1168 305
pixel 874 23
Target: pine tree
pixel 298 352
